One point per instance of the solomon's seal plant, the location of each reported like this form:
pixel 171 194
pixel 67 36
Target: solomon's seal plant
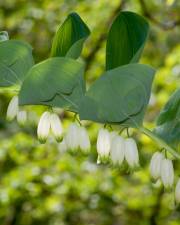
pixel 117 99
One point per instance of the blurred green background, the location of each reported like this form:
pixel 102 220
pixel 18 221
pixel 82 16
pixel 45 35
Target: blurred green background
pixel 40 184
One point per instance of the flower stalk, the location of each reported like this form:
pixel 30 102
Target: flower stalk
pixel 160 142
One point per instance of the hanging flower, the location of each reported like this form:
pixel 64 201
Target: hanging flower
pixel 103 143
pixel 177 192
pixel 167 173
pixel 12 109
pixel 56 126
pixel 21 117
pixel 117 152
pixel 72 137
pixel 155 165
pixel 43 127
pixel 113 134
pixel 84 141
pixel 131 153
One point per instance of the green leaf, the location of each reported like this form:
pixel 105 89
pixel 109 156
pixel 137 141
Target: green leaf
pixel 70 36
pixel 15 61
pixel 119 96
pixel 56 82
pixel 4 36
pixel 126 40
pixel 168 122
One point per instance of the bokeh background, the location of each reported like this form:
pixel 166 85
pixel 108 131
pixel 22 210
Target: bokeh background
pixel 40 184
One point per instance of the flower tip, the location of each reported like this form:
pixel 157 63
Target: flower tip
pixel 9 118
pixel 42 140
pixel 104 158
pixel 59 138
pixel 134 167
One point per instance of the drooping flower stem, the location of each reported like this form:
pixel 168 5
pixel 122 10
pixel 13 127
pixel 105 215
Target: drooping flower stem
pixel 159 141
pixel 75 118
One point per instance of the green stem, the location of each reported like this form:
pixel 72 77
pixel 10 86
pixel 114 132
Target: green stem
pixel 160 142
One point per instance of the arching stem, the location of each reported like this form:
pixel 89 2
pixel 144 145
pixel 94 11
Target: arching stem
pixel 160 142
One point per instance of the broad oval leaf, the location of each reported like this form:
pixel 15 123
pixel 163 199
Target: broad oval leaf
pixel 56 82
pixel 119 96
pixel 168 122
pixel 15 61
pixel 70 36
pixel 126 39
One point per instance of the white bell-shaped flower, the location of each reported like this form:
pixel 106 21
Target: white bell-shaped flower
pixel 84 141
pixel 167 173
pixel 21 117
pixel 155 165
pixel 103 143
pixel 56 126
pixel 131 153
pixel 117 152
pixel 113 134
pixel 43 127
pixel 177 192
pixel 72 137
pixel 12 109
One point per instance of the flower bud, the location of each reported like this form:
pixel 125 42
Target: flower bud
pixel 131 153
pixel 177 192
pixel 56 126
pixel 43 127
pixel 155 165
pixel 84 141
pixel 21 117
pixel 72 137
pixel 117 152
pixel 103 143
pixel 12 109
pixel 167 173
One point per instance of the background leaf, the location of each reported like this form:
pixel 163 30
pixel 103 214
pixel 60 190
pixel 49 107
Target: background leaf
pixel 119 96
pixel 56 82
pixel 69 39
pixel 15 61
pixel 168 122
pixel 126 40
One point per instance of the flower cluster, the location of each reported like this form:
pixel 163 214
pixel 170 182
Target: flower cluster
pixel 76 138
pixel 117 149
pixel 49 121
pixel 13 111
pixel 162 169
pixel 110 145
